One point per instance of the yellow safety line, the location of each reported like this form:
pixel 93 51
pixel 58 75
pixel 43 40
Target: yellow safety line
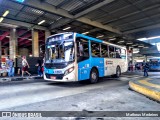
pixel 145 82
pixel 148 92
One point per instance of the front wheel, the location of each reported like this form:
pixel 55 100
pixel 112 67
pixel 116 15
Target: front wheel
pixel 94 76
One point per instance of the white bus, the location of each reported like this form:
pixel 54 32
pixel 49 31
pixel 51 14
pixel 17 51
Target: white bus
pixel 76 57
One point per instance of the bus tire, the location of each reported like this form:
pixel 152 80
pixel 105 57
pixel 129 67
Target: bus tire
pixel 94 76
pixel 118 72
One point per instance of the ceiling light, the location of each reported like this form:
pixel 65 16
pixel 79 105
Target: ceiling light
pixel 8 36
pixel 150 38
pixel 112 39
pixel 5 13
pixel 129 43
pixel 100 36
pixel 59 18
pixel 140 46
pixel 21 1
pixel 66 28
pixel 121 41
pixel 85 33
pixel 1 19
pixel 146 47
pixel 41 22
pixel 134 45
pixel 142 39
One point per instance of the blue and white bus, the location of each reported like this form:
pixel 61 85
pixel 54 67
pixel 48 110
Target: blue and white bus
pixel 76 57
pixel 154 64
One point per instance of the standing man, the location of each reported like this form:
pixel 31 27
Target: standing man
pixel 10 66
pixel 146 68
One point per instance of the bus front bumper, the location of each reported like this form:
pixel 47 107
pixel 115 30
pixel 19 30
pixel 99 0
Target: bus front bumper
pixel 60 78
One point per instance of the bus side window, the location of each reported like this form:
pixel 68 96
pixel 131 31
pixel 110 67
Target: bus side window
pixel 118 52
pixel 82 49
pixel 95 49
pixel 104 50
pixel 111 52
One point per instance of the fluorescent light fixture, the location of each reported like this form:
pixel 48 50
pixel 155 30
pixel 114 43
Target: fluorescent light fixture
pixel 1 19
pixel 134 45
pixel 21 1
pixel 66 28
pixel 121 41
pixel 5 13
pixel 146 47
pixel 135 51
pixel 100 36
pixel 140 46
pixel 142 39
pixel 85 33
pixel 129 43
pixel 150 38
pixel 41 22
pixel 112 39
pixel 59 18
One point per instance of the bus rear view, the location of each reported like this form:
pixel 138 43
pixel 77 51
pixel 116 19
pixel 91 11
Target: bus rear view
pixel 59 58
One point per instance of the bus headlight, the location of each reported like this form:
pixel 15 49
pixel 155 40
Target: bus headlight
pixel 68 71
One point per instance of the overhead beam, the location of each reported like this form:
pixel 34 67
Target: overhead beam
pixel 21 32
pixel 25 37
pixel 24 43
pixel 142 28
pixel 3 35
pixel 53 10
pixel 93 8
pixel 133 13
pixel 14 23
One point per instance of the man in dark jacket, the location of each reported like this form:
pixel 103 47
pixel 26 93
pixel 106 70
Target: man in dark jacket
pixel 146 68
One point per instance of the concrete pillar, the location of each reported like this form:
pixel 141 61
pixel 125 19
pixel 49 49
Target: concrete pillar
pixel 47 34
pixel 145 58
pixel 0 49
pixel 13 44
pixel 132 57
pixel 35 43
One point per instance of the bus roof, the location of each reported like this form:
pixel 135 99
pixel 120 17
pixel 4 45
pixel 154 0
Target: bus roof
pixel 90 38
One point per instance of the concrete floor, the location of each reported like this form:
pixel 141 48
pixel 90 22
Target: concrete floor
pixel 110 94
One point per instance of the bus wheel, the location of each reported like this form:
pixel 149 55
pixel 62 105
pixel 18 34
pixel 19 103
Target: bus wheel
pixel 94 76
pixel 118 72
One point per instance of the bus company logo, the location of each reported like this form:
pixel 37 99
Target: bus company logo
pixel 109 62
pixel 6 114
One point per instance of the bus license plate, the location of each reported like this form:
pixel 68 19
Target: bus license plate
pixel 53 77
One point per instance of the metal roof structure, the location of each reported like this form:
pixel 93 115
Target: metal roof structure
pixel 113 20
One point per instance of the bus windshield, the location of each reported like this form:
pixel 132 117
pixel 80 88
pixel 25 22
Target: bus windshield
pixel 60 51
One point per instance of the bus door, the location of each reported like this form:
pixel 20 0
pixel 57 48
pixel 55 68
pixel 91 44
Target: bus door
pixel 83 60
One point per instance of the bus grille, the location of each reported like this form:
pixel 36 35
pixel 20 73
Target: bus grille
pixel 58 76
pixel 55 66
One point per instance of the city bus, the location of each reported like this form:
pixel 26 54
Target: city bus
pixel 76 57
pixel 154 64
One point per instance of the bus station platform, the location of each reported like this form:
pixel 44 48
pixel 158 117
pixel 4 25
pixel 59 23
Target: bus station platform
pixel 149 87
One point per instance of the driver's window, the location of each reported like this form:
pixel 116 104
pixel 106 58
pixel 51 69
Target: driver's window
pixel 82 49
